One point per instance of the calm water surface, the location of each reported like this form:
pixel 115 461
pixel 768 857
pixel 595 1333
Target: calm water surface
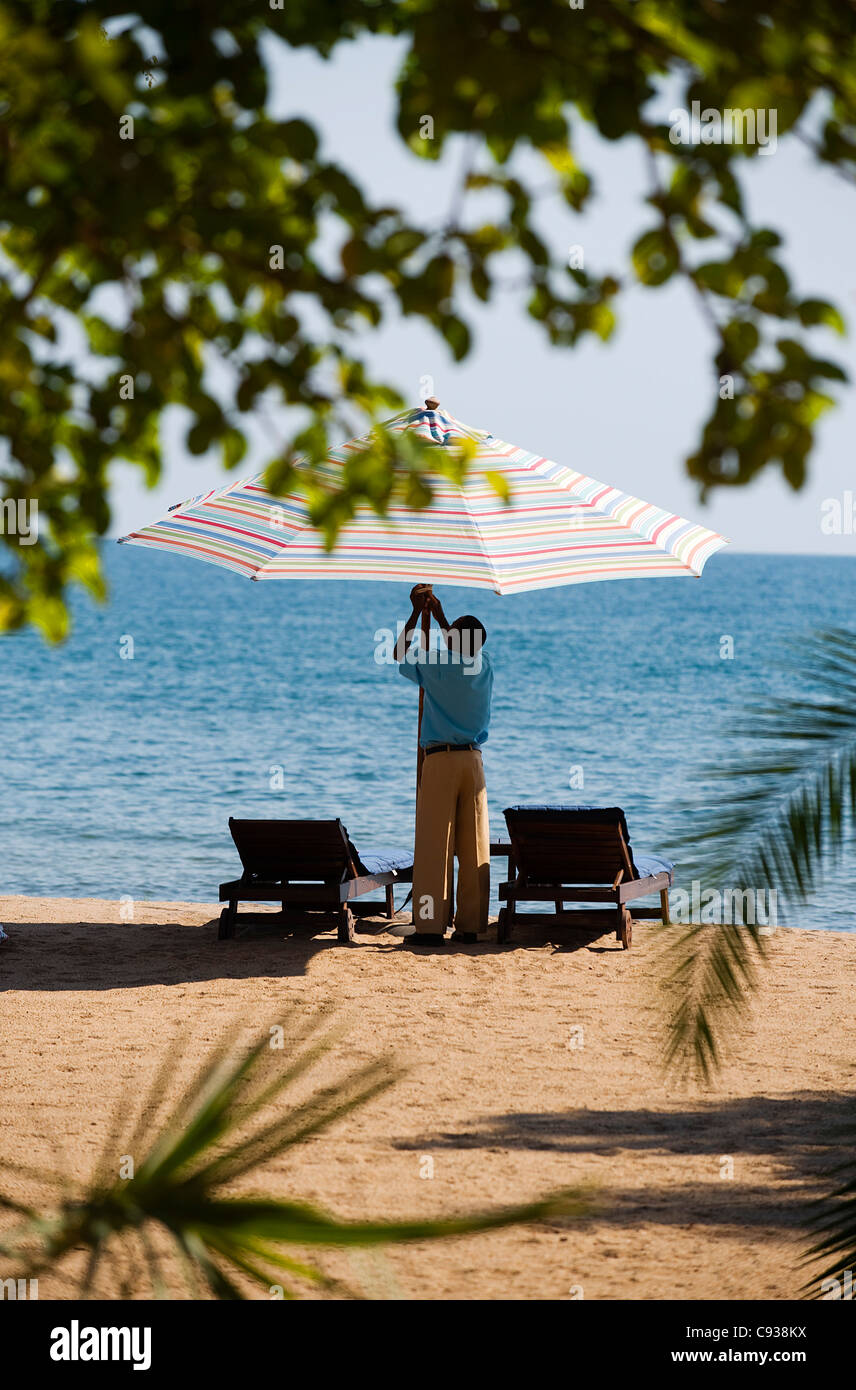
pixel 265 700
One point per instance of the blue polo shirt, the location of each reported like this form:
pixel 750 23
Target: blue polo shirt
pixel 457 698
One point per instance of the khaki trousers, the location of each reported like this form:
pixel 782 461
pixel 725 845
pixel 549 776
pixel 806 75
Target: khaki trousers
pixel 451 820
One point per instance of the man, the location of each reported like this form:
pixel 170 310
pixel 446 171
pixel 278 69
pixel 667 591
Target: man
pixel 451 807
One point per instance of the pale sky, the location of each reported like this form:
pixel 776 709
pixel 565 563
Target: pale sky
pixel 626 412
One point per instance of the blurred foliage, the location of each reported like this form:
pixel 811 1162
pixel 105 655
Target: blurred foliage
pixel 209 226
pixel 179 1206
pixel 784 819
pixel 831 1225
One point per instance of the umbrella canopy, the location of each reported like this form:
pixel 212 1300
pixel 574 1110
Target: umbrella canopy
pixel 559 527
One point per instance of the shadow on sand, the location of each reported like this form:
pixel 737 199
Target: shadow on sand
pixel 110 955
pixel 801 1135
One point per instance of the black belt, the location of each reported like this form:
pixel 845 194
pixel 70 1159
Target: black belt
pixel 452 748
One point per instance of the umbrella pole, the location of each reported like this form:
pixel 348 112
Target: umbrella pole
pixel 420 751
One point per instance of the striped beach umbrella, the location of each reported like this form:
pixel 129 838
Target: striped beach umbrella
pixel 558 527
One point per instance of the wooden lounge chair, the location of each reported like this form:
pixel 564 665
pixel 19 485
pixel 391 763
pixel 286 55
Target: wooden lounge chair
pixel 575 854
pixel 313 869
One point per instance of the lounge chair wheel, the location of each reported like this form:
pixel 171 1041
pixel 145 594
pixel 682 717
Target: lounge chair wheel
pixel 625 932
pixel 346 925
pixel 502 925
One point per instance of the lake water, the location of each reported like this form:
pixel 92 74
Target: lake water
pixel 265 700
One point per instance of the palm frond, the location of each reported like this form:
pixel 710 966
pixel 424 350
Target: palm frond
pixel 715 973
pixel 832 1224
pixel 784 817
pixel 177 1199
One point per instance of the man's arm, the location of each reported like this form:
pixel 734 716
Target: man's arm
pixel 420 595
pixel 436 608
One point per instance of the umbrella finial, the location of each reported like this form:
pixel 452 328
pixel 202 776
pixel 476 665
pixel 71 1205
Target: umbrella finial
pixel 432 403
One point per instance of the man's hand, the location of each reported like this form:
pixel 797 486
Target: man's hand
pixel 421 596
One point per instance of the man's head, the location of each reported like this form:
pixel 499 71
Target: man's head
pixel 467 637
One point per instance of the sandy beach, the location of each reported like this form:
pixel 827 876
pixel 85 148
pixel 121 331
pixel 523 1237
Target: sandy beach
pixel 530 1068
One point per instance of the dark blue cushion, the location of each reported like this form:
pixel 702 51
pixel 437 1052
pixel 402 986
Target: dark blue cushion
pixel 387 861
pixel 607 813
pixel 649 864
pixel 600 815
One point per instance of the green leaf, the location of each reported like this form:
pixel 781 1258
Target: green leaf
pixel 500 484
pixel 234 448
pixel 819 311
pixel 300 138
pixel 655 256
pixel 457 335
pixel 615 109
